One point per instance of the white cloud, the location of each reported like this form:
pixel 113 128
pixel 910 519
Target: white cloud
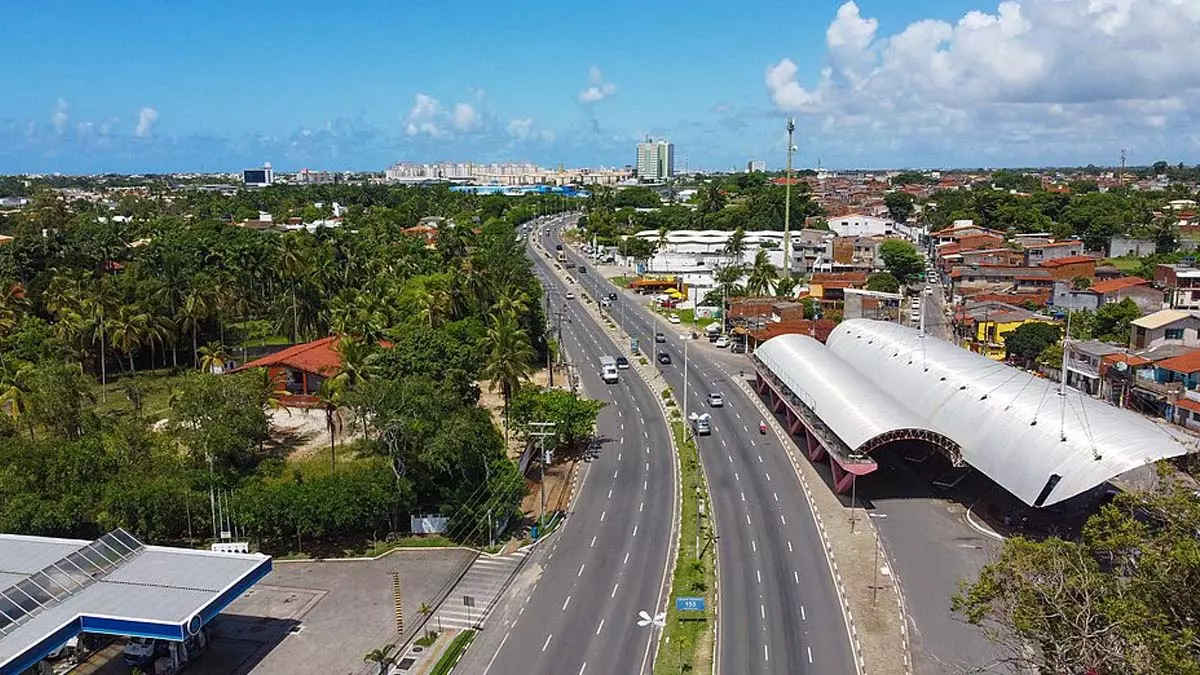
pixel 523 129
pixel 429 118
pixel 597 89
pixel 60 117
pixel 147 119
pixel 1064 76
pixel 466 118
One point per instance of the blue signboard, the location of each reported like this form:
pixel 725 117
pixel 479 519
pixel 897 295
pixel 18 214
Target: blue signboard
pixel 689 604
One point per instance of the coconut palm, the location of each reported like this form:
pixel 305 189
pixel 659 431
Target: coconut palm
pixel 330 394
pixel 762 275
pixel 15 391
pixel 213 357
pixel 127 330
pixel 193 310
pixel 507 358
pixel 381 656
pixel 735 247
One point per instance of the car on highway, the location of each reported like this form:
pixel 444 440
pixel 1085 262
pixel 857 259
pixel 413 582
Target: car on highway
pixel 570 295
pixel 660 337
pixel 721 342
pixel 929 290
pixel 664 358
pixel 738 348
pixel 558 247
pixel 674 318
pixel 715 399
pixel 605 303
pixel 622 363
pixel 612 296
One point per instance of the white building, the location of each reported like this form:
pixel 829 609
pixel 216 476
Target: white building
pixel 756 166
pixel 655 160
pixel 258 177
pixel 859 225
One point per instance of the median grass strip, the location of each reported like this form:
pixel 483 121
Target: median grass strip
pixel 688 637
pixel 453 653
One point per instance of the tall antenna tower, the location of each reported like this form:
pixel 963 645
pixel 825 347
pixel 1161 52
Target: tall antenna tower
pixel 1121 176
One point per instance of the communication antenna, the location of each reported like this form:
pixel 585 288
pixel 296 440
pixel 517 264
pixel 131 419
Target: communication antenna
pixel 1121 176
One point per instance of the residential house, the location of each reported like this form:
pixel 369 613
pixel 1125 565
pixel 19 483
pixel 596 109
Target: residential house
pixel 829 287
pixel 982 326
pixel 1182 284
pixel 819 329
pixel 864 304
pixel 1165 327
pixel 959 229
pixel 1145 296
pixel 853 254
pixel 1120 247
pixel 1036 254
pixel 1179 376
pixel 1084 360
pixel 993 256
pixel 965 278
pixel 300 369
pixel 1068 268
pixel 859 225
pixel 1107 272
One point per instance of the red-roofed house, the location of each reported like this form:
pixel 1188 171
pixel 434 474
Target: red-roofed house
pixel 300 369
pixel 1070 267
pixel 1036 254
pixel 1145 296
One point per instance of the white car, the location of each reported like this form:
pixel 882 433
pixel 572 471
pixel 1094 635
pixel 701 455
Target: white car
pixel 722 342
pixel 570 295
pixel 674 318
pixel 929 290
pixel 715 399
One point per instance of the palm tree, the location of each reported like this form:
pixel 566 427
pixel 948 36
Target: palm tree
pixel 127 330
pixel 381 656
pixel 213 357
pixel 426 611
pixel 13 304
pixel 330 394
pixel 15 391
pixel 194 309
pixel 786 287
pixel 735 248
pixel 762 275
pixel 508 358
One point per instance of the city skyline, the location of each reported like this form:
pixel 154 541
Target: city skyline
pixel 954 83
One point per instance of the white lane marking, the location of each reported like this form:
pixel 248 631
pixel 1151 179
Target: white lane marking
pixel 752 443
pixel 641 506
pixel 754 545
pixel 635 530
pixel 803 616
pixel 735 476
pixel 760 459
pixel 776 495
pixel 593 544
pixel 757 575
pixel 739 415
pixel 782 519
pixel 809 650
pixel 619 456
pixel 762 610
pixel 622 426
pixel 617 471
pixel 747 518
pixel 645 433
pixel 797 577
pixel 644 483
pixel 547 643
pixel 647 466
pixel 614 593
pixel 610 494
pixel 582 668
pixel 730 459
pixel 768 475
pixel 746 428
pixel 581 569
pixel 766 654
pixel 602 515
pixel 626 558
pixel 723 443
pixel 564 607
pixel 789 546
pixel 601 626
pixel 743 496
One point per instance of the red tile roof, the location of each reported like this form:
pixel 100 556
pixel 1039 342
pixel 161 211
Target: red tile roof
pixel 1184 363
pixel 820 331
pixel 1111 285
pixel 1055 244
pixel 1069 260
pixel 845 277
pixel 1188 404
pixel 319 357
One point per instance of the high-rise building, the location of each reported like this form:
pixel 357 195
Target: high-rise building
pixel 655 160
pixel 756 166
pixel 258 177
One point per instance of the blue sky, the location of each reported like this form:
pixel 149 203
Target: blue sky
pixel 172 86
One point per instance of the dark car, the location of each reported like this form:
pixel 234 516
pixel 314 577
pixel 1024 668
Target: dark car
pixel 660 337
pixel 738 348
pixel 664 358
pixel 558 247
pixel 612 296
pixel 622 363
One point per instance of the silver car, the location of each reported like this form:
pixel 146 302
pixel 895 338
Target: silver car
pixel 715 399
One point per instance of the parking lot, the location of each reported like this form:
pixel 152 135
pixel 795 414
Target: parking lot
pixel 321 617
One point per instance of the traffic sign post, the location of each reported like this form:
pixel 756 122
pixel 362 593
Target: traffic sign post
pixel 689 604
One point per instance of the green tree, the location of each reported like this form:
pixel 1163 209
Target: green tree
pixel 763 275
pixel 1081 283
pixel 381 657
pixel 883 282
pixel 15 392
pixel 574 417
pixel 901 259
pixel 785 287
pixel 900 206
pixel 1030 339
pixel 507 358
pixel 1112 320
pixel 213 357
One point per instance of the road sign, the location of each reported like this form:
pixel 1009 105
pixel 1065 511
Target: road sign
pixel 469 601
pixel 689 604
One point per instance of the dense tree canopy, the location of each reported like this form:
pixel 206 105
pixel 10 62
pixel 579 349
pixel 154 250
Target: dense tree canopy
pixel 901 259
pixel 1030 339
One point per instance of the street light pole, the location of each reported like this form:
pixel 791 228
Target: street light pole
pixel 787 205
pixel 541 435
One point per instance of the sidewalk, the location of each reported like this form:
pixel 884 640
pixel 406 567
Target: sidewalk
pixel 483 583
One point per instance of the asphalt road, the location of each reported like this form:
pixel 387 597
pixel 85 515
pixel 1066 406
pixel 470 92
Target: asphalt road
pixel 609 559
pixel 779 609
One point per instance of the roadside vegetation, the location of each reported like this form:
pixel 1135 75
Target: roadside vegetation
pixel 687 641
pixel 111 329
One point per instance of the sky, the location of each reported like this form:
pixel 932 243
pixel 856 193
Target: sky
pixel 138 86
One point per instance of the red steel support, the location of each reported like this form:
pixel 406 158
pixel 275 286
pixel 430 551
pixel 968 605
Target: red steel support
pixel 842 479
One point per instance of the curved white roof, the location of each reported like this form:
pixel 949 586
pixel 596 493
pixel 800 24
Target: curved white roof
pixel 845 400
pixel 1011 425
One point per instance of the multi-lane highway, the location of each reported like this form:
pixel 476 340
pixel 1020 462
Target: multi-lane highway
pixel 578 609
pixel 779 609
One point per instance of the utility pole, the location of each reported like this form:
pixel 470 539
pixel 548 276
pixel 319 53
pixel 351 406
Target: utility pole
pixel 543 459
pixel 787 205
